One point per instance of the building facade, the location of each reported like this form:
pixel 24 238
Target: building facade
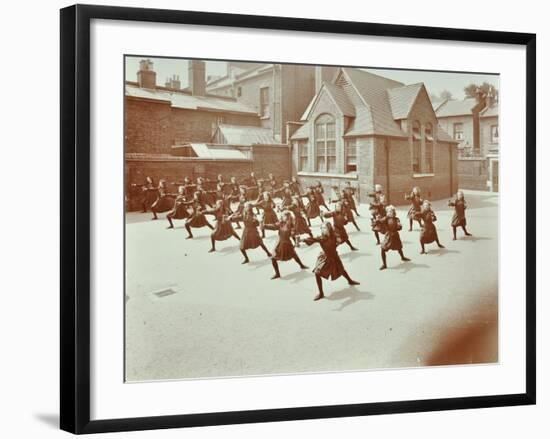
pixel 171 133
pixel 473 122
pixel 369 130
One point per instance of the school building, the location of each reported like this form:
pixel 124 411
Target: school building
pixel 367 129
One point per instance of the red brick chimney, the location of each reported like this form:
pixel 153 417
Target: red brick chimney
pixel 146 76
pixel 197 79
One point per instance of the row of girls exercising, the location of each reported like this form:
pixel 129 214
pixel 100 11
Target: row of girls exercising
pixel 420 211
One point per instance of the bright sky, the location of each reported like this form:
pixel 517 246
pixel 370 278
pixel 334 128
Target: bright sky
pixel 435 82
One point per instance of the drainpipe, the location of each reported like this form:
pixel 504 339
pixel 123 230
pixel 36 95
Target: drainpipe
pixel 387 149
pixel 451 169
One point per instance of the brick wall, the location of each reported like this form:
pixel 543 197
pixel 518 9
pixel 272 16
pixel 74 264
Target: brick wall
pixel 271 159
pixel 473 173
pixel 153 127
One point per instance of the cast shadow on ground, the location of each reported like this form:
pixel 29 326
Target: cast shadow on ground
pixel 259 263
pixel 297 276
pixel 405 267
pixel 474 238
pixel 440 251
pixel 350 256
pixel 348 296
pixel 49 419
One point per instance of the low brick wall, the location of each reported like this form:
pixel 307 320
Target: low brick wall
pixel 472 173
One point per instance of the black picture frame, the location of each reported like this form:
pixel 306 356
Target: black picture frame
pixel 75 217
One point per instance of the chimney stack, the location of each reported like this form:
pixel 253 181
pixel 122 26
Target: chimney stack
pixel 147 77
pixel 323 74
pixel 173 83
pixel 197 80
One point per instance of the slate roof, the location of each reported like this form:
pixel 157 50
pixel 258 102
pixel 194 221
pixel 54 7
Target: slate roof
pixel 189 102
pixel 246 135
pixel 452 107
pixel 384 103
pixel 215 152
pixel 402 99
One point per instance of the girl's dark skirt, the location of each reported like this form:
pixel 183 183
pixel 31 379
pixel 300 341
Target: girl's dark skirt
pixel 284 251
pixel 414 214
pixel 179 212
pixel 163 204
pixel 312 210
pixel 458 221
pixel 329 267
pixel 250 238
pixel 392 241
pixel 428 233
pixel 197 220
pixel 301 226
pixel 270 217
pixel 341 234
pixel 223 231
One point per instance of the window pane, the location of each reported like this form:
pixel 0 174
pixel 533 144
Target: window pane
pixel 332 164
pixel 416 157
pixel 331 130
pixel 321 164
pixel 331 148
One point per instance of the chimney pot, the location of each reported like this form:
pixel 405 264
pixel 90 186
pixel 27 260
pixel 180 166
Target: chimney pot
pixel 146 76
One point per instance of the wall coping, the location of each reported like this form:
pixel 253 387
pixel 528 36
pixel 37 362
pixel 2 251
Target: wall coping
pixel 328 175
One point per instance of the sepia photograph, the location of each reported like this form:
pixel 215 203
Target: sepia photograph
pixel 296 218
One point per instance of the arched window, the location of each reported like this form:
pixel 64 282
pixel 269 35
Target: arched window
pixel 325 144
pixel 417 147
pixel 429 148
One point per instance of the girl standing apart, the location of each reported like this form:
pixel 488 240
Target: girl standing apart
pixel 459 217
pixel 429 232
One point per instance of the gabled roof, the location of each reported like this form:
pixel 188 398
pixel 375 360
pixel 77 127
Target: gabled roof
pixel 373 92
pixel 452 107
pixel 246 135
pixel 402 99
pixel 189 102
pixel 341 99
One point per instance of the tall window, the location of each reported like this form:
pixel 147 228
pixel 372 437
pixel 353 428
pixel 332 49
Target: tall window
pixel 325 144
pixel 264 101
pixel 494 133
pixel 417 147
pixel 429 148
pixel 458 131
pixel 351 155
pixel 302 155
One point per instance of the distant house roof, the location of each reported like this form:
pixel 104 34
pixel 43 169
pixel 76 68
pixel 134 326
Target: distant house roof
pixel 452 107
pixel 217 152
pixel 301 133
pixel 491 111
pixel 189 102
pixel 402 99
pixel 245 135
pixel 383 103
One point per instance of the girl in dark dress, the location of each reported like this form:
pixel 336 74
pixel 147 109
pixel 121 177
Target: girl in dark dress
pixel 286 198
pixel 377 210
pixel 429 232
pixel 284 250
pixel 149 194
pixel 312 209
pixel 269 217
pixel 415 213
pixel 180 208
pixel 459 217
pixel 341 198
pixel 328 265
pixel 197 219
pixel 295 186
pixel 319 191
pixel 224 229
pixel 339 221
pixel 238 212
pixel 300 223
pixel 250 237
pixel 164 201
pixel 349 193
pixel 392 240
